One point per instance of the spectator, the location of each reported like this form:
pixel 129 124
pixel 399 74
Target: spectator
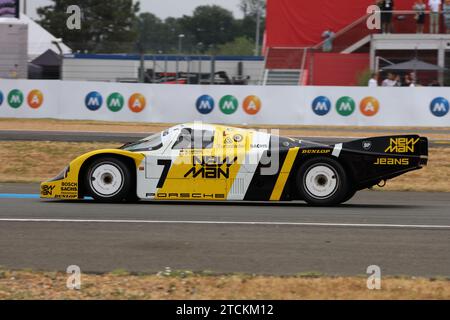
pixel 398 81
pixel 435 8
pixel 406 81
pixel 373 82
pixel 409 80
pixel 446 11
pixel 390 81
pixel 413 78
pixel 328 37
pixel 13 73
pixel 420 8
pixel 386 7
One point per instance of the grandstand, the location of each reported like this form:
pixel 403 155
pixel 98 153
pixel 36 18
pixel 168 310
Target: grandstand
pixel 294 42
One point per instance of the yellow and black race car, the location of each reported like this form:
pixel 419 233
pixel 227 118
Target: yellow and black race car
pixel 213 162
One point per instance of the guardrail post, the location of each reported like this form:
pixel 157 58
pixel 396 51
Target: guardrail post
pixel 213 69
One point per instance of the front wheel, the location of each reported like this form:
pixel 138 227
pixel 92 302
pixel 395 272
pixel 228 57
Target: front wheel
pixel 322 182
pixel 108 180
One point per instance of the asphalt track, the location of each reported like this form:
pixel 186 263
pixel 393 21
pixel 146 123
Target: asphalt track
pixel 68 136
pixel 403 233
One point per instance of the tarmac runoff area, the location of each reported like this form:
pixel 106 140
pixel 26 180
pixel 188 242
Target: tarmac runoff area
pixel 404 233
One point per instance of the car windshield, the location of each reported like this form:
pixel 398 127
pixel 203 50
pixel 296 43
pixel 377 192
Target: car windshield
pixel 151 143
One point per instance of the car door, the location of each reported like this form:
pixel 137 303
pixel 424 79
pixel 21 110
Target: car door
pixel 192 170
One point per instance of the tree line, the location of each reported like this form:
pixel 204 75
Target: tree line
pixel 117 26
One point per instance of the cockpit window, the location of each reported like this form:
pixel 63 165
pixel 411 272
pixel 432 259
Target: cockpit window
pixel 151 143
pixel 194 139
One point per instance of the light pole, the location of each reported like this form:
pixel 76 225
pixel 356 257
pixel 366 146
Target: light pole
pixel 180 48
pixel 180 43
pixel 200 47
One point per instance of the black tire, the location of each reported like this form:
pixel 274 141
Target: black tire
pixel 109 180
pixel 351 193
pixel 322 182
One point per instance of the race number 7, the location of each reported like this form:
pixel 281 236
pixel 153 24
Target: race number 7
pixel 167 164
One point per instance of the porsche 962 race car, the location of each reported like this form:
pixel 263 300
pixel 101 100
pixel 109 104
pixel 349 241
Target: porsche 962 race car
pixel 213 162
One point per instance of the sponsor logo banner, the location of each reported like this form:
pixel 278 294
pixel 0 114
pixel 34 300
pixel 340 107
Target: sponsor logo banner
pixel 252 105
pixel 369 106
pixel 15 98
pixel 35 99
pixel 345 106
pixel 439 107
pixel 321 106
pixel 137 103
pixel 115 102
pixel 93 101
pixel 228 104
pixel 308 105
pixel 205 104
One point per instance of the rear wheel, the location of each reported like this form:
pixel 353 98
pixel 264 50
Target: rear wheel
pixel 322 182
pixel 108 180
pixel 350 194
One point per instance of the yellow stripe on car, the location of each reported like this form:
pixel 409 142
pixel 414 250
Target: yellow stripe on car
pixel 284 174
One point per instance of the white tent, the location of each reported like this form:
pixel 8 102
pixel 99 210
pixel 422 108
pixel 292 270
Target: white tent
pixel 39 39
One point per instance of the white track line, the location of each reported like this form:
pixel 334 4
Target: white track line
pixel 298 224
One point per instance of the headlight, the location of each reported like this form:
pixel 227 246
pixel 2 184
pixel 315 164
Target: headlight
pixel 62 175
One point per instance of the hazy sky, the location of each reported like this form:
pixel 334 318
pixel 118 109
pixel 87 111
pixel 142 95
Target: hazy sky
pixel 162 8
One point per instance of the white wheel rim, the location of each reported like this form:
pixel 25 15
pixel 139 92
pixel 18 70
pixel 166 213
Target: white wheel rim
pixel 321 181
pixel 106 180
